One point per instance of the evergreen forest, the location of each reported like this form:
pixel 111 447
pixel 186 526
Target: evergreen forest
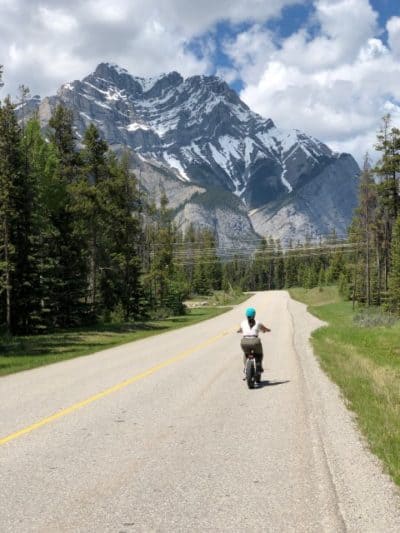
pixel 80 243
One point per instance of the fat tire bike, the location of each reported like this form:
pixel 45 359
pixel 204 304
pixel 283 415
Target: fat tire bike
pixel 252 370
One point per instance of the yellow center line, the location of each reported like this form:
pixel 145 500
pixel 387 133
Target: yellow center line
pixel 110 390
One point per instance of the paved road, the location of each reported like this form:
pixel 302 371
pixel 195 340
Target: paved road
pixel 170 439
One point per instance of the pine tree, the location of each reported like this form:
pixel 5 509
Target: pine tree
pixel 87 206
pixel 42 162
pixel 279 270
pixel 18 195
pixel 235 274
pixel 394 277
pixel 120 283
pixel 188 252
pixel 291 267
pixel 26 274
pixel 212 263
pixel 336 266
pixel 10 176
pixel 270 264
pixel 388 168
pixel 258 270
pixel 365 216
pixel 321 277
pixel 201 284
pixel 69 291
pixel 343 286
pixel 162 266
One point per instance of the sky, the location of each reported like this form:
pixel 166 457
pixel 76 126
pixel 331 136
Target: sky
pixel 330 68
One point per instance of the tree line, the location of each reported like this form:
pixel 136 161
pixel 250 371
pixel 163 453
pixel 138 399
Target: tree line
pixel 81 243
pixel 365 263
pixel 70 230
pixel 372 273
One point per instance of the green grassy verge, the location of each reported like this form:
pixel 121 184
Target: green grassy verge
pixel 23 353
pixel 219 298
pixel 360 351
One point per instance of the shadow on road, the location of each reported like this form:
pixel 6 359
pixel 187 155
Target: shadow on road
pixel 271 383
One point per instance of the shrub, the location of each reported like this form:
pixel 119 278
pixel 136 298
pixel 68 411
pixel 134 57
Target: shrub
pixel 370 318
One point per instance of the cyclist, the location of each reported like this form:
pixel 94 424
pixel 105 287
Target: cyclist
pixel 250 329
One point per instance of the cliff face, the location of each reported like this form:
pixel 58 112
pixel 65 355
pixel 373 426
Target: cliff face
pixel 196 136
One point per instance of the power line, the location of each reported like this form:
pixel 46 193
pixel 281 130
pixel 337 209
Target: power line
pixel 184 261
pixel 195 253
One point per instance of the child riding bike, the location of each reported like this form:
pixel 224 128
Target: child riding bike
pixel 250 329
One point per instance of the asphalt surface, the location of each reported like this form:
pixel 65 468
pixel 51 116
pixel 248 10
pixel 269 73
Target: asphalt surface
pixel 163 435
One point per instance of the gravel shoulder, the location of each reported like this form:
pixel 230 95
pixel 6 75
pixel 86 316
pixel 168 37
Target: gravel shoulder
pixel 367 498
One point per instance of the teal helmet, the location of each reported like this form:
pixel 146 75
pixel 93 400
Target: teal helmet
pixel 250 312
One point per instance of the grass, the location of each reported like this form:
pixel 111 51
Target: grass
pixel 317 296
pixel 23 353
pixel 360 351
pixel 219 298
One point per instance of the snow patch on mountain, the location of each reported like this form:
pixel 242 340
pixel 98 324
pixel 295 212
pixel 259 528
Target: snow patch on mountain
pixel 148 83
pixel 220 158
pixel 117 68
pixel 284 180
pixel 175 163
pixel 204 135
pixel 230 146
pixel 134 126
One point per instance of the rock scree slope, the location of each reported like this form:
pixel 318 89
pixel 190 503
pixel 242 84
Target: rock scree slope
pixel 199 140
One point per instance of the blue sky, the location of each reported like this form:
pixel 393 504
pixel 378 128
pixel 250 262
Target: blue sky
pixel 386 9
pixel 328 67
pixel 286 22
pixel 290 20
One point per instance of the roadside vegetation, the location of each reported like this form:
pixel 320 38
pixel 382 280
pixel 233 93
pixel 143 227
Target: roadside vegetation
pixel 19 353
pixel 218 299
pixel 360 350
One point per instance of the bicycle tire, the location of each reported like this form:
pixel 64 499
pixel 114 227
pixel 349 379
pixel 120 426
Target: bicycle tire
pixel 250 373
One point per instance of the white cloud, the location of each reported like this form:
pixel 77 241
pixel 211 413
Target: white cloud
pixel 105 11
pixel 249 49
pixel 347 23
pixel 47 42
pixel 200 15
pixel 393 28
pixel 334 77
pixel 335 83
pixel 55 20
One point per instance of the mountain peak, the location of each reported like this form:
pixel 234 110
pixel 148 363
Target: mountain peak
pixel 170 79
pixel 110 67
pixel 199 131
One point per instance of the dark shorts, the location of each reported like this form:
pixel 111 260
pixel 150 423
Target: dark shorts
pixel 252 343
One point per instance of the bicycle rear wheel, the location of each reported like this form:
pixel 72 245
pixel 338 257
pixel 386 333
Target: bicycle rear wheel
pixel 250 373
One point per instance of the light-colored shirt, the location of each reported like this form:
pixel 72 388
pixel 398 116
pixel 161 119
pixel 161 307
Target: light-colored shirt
pixel 247 331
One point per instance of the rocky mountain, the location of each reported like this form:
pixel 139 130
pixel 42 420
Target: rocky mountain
pixel 221 164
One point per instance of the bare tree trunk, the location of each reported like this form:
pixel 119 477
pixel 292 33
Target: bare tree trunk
pixel 378 268
pixel 367 272
pixel 8 276
pixel 354 282
pixel 367 269
pixel 93 273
